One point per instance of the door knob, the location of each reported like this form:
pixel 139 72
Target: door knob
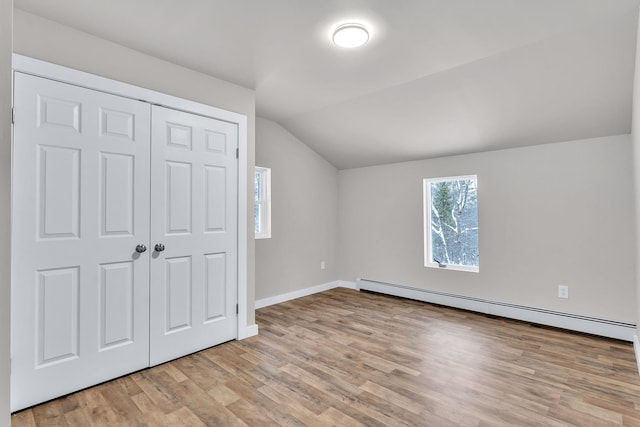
pixel 141 248
pixel 159 247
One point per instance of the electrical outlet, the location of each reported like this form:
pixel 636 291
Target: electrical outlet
pixel 322 265
pixel 563 291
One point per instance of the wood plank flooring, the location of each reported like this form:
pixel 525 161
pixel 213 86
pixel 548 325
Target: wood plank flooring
pixel 348 358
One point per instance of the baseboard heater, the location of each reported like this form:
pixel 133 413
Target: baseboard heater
pixel 590 325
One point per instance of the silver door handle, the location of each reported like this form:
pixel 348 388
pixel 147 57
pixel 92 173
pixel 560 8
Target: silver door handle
pixel 159 247
pixel 141 248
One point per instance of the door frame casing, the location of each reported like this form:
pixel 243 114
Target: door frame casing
pixel 75 77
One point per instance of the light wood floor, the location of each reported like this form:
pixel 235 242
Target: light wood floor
pixel 346 358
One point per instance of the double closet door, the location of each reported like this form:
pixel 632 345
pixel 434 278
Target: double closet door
pixel 124 237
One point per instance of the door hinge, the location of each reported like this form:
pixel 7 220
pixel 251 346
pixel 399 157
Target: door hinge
pixel 236 308
pixel 237 153
pixel 13 115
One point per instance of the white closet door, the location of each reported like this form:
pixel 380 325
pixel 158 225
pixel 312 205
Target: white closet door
pixel 80 196
pixel 194 215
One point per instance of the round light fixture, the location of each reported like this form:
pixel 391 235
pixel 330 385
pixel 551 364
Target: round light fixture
pixel 350 35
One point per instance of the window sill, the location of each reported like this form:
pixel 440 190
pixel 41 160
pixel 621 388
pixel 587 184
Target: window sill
pixel 455 267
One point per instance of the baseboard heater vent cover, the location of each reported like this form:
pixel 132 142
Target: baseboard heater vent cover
pixel 590 325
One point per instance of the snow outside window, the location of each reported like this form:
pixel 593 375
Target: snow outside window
pixel 451 223
pixel 262 209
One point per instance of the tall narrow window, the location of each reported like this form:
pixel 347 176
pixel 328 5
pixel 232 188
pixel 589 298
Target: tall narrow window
pixel 262 208
pixel 451 223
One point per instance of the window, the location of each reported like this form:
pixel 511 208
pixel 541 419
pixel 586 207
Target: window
pixel 262 210
pixel 451 223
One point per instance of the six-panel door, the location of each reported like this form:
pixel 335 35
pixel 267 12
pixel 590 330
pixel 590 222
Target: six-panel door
pixel 89 186
pixel 80 206
pixel 194 211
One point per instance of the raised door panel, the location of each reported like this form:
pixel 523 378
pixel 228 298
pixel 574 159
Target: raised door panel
pixel 178 197
pixel 179 135
pixel 178 291
pixel 215 286
pixel 116 304
pixel 57 313
pixel 215 196
pixel 58 192
pixel 117 124
pixel 216 142
pixel 117 189
pixel 58 113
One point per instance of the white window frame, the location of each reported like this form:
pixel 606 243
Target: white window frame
pixel 428 256
pixel 264 201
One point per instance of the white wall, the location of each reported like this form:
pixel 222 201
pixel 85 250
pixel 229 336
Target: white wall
pixel 548 215
pixel 43 39
pixel 304 227
pixel 6 13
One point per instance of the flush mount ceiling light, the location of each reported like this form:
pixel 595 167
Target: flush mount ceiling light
pixel 350 35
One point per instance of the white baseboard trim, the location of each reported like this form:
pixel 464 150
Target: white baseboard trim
pixel 265 302
pixel 591 325
pixel 636 349
pixel 346 284
pixel 248 332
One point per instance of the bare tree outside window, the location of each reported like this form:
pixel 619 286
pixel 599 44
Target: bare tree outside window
pixel 262 207
pixel 451 223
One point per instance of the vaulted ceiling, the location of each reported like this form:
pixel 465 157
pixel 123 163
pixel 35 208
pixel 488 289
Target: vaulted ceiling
pixel 438 77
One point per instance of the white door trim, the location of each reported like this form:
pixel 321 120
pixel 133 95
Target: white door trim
pixel 90 81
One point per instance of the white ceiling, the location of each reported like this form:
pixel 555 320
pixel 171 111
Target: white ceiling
pixel 438 77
